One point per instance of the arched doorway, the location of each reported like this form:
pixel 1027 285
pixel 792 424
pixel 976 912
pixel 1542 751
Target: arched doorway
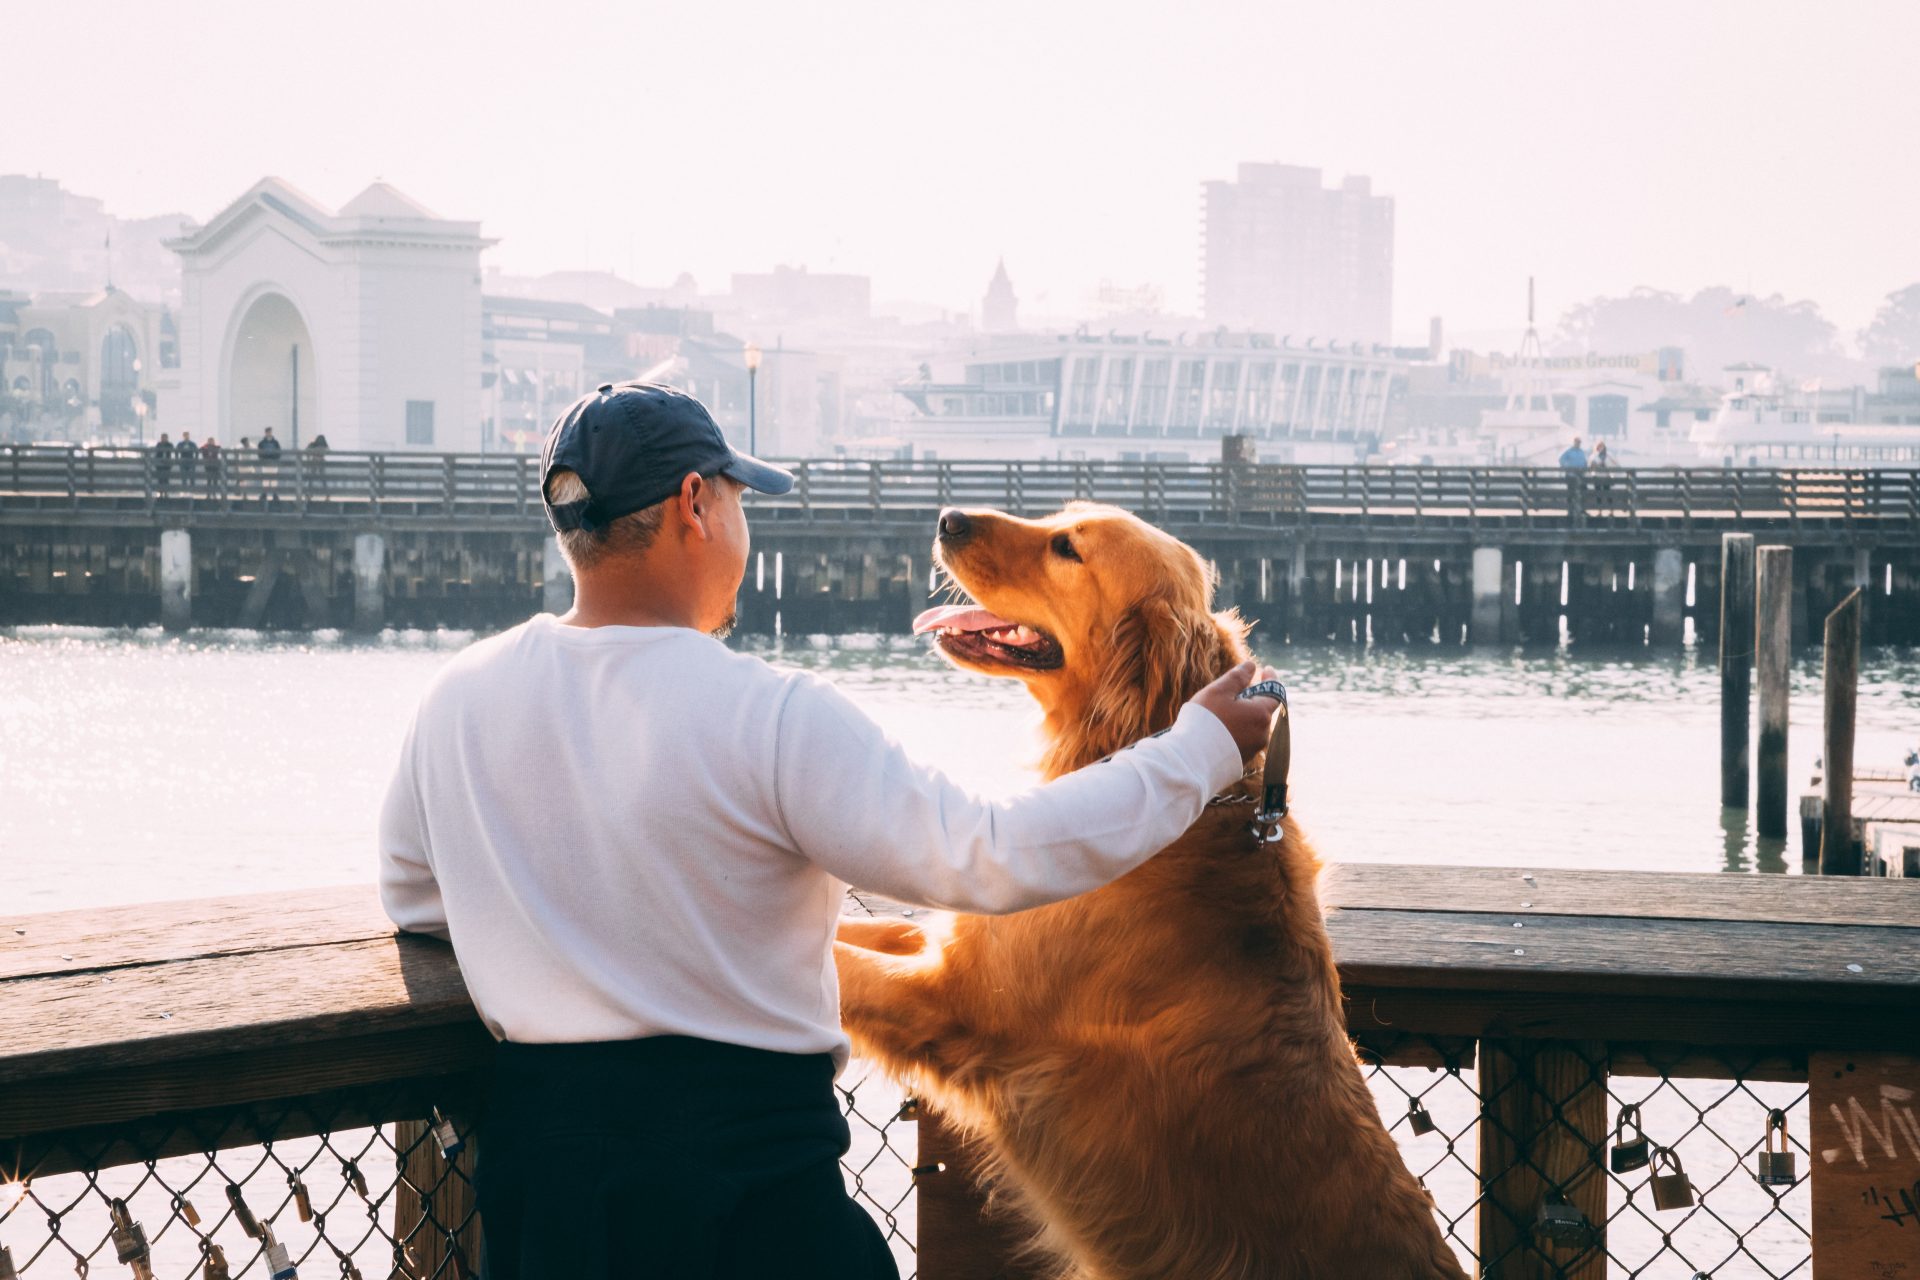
pixel 42 341
pixel 119 380
pixel 270 375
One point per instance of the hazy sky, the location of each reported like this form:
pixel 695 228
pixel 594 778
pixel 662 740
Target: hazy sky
pixel 1768 146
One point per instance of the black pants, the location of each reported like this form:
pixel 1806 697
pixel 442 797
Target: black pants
pixel 669 1159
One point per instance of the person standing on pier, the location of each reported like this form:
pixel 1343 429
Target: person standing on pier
pixel 162 453
pixel 269 453
pixel 638 843
pixel 187 454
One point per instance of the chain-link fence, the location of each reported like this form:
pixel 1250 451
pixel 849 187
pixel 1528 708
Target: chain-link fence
pixel 395 1198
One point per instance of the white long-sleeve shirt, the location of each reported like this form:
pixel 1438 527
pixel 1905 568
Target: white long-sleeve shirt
pixel 634 831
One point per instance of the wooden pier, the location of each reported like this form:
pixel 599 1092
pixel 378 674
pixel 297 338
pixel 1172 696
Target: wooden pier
pixel 136 1034
pixel 1390 555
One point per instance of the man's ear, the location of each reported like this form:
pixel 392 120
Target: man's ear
pixel 695 503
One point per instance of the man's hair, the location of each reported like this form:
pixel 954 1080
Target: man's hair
pixel 628 535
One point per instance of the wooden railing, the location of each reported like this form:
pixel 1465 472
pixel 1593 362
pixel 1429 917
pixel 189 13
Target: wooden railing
pixel 504 487
pixel 289 1043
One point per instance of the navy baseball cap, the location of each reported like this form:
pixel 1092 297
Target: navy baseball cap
pixel 631 444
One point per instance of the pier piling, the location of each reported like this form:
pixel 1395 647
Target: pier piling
pixel 1841 677
pixel 1736 667
pixel 176 579
pixel 369 582
pixel 1489 577
pixel 556 580
pixel 1669 597
pixel 1773 590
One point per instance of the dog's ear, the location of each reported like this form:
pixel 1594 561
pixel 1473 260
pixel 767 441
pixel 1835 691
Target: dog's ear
pixel 1159 655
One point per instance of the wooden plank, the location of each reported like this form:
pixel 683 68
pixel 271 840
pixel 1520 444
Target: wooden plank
pixel 1865 1157
pixel 144 933
pixel 1530 891
pixel 1615 956
pixel 435 1212
pixel 1773 642
pixel 1543 1121
pixel 189 1008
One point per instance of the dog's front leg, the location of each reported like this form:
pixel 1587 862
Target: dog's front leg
pixel 899 1012
pixel 893 937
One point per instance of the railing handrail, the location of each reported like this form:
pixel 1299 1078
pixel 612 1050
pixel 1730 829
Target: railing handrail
pixel 504 486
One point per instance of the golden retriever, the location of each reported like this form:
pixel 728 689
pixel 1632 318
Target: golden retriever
pixel 1159 1071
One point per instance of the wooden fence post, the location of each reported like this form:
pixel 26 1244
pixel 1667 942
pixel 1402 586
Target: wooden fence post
pixel 1842 681
pixel 1543 1124
pixel 430 1226
pixel 1774 641
pixel 1736 666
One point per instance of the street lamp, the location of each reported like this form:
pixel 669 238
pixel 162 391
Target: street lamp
pixel 753 400
pixel 140 416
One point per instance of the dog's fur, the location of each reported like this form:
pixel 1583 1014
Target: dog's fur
pixel 1158 1071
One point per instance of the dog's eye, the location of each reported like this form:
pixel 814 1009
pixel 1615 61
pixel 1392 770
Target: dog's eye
pixel 1063 547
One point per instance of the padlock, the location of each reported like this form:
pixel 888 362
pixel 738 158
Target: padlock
pixel 242 1214
pixel 1630 1151
pixel 6 1264
pixel 1774 1168
pixel 351 1172
pixel 130 1241
pixel 446 1137
pixel 1418 1120
pixel 187 1211
pixel 279 1264
pixel 1671 1190
pixel 302 1202
pixel 909 1110
pixel 1561 1223
pixel 215 1267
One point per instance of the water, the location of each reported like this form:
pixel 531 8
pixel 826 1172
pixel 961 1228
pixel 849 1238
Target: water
pixel 140 765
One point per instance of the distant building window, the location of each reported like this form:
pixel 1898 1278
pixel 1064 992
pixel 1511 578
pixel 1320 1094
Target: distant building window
pixel 1701 415
pixel 419 422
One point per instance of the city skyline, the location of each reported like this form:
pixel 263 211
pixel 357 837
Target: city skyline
pixel 1650 148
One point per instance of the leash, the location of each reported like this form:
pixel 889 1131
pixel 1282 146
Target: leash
pixel 1279 759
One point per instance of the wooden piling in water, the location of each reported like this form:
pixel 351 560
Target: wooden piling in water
pixel 1773 589
pixel 1842 680
pixel 1736 666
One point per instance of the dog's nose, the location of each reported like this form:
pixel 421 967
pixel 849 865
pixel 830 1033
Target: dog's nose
pixel 954 525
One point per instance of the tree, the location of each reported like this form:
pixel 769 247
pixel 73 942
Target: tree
pixel 1894 335
pixel 1716 327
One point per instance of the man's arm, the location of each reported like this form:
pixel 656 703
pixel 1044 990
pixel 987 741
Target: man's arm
pixel 856 805
pixel 407 888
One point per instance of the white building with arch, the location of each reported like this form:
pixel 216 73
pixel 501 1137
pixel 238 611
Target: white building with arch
pixel 362 324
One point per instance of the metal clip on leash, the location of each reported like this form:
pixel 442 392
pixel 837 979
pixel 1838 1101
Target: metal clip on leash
pixel 1273 790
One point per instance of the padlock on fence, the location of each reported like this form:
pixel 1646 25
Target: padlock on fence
pixel 351 1172
pixel 6 1264
pixel 130 1241
pixel 1630 1150
pixel 1671 1190
pixel 446 1137
pixel 1774 1167
pixel 1418 1120
pixel 215 1267
pixel 279 1264
pixel 909 1110
pixel 241 1214
pixel 1560 1222
pixel 185 1208
pixel 302 1201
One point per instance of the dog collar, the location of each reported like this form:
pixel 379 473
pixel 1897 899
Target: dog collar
pixel 1279 760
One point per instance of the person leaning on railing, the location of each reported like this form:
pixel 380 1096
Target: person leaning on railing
pixel 638 842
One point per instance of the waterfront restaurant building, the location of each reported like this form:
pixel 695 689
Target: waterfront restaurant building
pixel 1120 398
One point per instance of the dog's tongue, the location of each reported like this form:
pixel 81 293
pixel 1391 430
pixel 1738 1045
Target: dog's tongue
pixel 961 617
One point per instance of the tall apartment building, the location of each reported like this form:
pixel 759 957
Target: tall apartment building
pixel 1285 255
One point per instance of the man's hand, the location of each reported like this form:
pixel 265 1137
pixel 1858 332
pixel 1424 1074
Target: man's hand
pixel 1247 719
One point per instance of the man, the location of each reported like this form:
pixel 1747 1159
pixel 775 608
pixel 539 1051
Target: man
pixel 163 461
pixel 638 841
pixel 268 451
pixel 188 455
pixel 1575 458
